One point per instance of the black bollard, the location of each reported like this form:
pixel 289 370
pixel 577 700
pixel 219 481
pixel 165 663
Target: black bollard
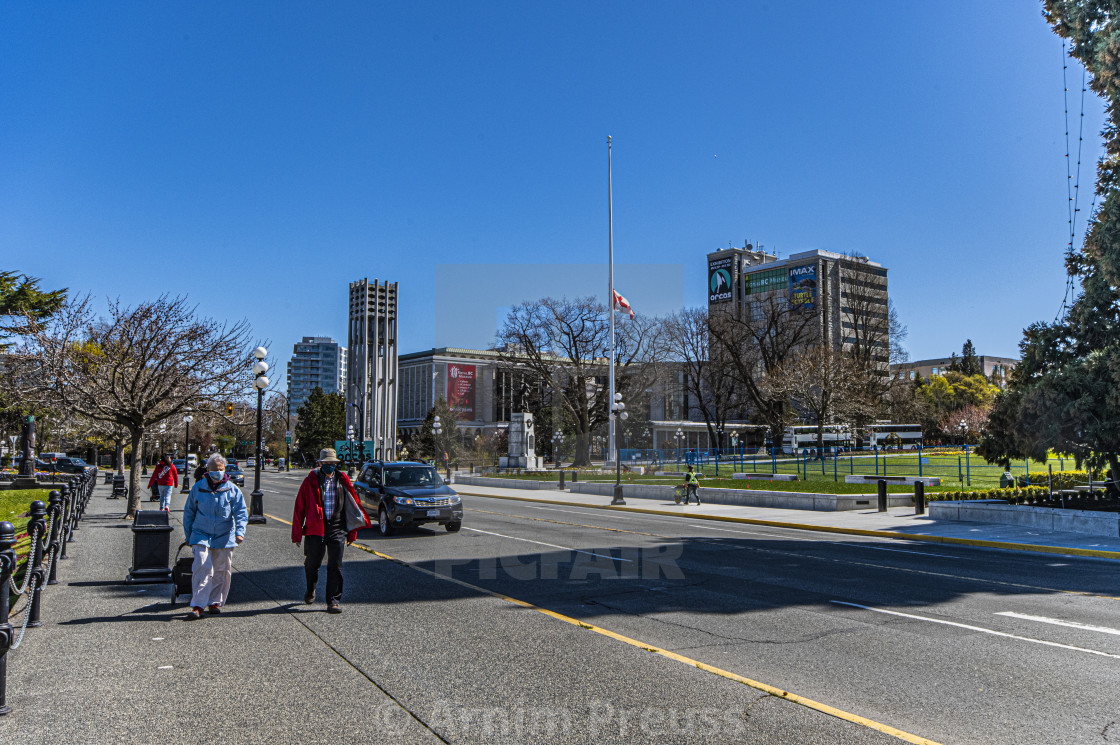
pixel 54 509
pixel 882 495
pixel 919 498
pixel 36 526
pixel 69 497
pixel 77 492
pixel 561 479
pixel 7 633
pixel 575 476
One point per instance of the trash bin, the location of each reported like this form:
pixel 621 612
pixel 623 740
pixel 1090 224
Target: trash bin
pixel 151 548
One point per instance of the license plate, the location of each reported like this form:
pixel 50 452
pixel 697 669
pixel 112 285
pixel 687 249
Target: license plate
pixel 433 513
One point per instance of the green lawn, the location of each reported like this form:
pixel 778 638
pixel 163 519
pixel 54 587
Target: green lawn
pixel 955 470
pixel 15 502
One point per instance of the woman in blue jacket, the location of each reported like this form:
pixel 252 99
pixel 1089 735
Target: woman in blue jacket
pixel 214 521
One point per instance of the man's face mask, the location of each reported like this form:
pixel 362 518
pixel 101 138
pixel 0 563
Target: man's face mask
pixel 328 468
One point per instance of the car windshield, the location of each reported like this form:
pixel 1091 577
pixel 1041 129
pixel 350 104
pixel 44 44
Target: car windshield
pixel 231 467
pixel 412 476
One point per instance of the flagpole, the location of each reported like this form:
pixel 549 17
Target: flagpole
pixel 610 298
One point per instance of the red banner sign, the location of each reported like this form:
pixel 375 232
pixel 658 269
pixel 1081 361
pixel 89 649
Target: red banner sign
pixel 460 389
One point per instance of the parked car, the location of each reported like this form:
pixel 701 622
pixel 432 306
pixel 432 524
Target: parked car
pixel 404 494
pixel 236 475
pixel 69 465
pixel 250 463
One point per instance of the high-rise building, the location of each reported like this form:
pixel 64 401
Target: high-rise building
pixel 846 295
pixel 316 361
pixel 371 385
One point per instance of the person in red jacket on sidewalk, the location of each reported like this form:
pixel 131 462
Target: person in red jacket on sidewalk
pixel 327 516
pixel 164 476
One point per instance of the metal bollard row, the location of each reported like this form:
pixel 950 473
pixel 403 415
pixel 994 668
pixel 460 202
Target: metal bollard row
pixel 51 527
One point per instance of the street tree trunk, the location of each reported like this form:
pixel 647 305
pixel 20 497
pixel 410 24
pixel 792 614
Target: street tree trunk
pixel 138 456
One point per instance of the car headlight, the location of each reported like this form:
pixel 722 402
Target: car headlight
pixel 455 499
pixel 403 500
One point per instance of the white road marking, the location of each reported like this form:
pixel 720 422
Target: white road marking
pixel 899 550
pixel 550 545
pixel 1058 622
pixel 982 630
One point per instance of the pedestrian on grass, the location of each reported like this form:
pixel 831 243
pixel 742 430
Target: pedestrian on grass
pixel 163 478
pixel 327 516
pixel 214 521
pixel 692 486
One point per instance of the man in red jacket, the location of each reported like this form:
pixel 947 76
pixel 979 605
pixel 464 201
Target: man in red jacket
pixel 327 516
pixel 164 476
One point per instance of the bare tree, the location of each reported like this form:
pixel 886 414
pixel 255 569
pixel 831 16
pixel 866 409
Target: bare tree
pixel 141 365
pixel 566 342
pixel 705 370
pixel 756 340
pixel 822 382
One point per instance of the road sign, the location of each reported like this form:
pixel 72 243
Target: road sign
pixel 924 461
pixel 288 440
pixel 288 435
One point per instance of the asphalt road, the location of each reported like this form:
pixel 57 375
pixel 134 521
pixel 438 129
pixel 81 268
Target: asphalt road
pixel 950 643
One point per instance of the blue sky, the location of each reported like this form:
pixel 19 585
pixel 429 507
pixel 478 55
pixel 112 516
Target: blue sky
pixel 259 156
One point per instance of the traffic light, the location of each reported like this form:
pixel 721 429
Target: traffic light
pixel 229 409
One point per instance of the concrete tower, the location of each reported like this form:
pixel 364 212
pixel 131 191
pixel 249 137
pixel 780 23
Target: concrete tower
pixel 372 366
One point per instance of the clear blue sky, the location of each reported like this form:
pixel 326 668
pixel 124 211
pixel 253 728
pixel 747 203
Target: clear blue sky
pixel 258 156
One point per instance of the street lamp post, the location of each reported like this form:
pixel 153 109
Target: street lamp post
pixel 678 437
pixel 361 431
pixel 437 430
pixel 618 413
pixel 288 437
pixel 719 444
pixel 260 382
pixel 350 448
pixel 557 441
pixel 187 456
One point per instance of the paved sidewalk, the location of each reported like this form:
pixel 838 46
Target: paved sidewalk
pixel 898 522
pixel 116 663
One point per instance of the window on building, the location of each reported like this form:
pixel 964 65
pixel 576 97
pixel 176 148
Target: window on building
pixel 935 372
pixel 912 374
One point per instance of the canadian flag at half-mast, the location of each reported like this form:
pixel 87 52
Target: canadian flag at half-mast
pixel 621 303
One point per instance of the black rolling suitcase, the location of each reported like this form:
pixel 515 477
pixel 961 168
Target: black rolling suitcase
pixel 181 572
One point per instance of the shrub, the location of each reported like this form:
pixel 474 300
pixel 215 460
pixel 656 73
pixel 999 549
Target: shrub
pixel 1062 479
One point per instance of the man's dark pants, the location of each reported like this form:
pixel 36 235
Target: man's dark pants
pixel 332 544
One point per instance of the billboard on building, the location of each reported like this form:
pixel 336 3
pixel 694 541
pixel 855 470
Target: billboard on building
pixel 719 279
pixel 803 287
pixel 460 389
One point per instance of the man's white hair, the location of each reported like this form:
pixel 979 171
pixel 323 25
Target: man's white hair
pixel 216 462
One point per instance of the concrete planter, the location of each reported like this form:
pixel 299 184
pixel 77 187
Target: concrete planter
pixel 1085 522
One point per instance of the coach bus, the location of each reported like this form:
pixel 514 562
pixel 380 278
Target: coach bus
pixel 804 437
pixel 904 436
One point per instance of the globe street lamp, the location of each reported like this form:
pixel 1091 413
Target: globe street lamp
pixel 557 442
pixel 187 456
pixel 678 437
pixel 437 430
pixel 618 411
pixel 260 382
pixel 350 447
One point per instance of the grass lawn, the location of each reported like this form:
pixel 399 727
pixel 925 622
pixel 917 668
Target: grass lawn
pixel 955 469
pixel 15 502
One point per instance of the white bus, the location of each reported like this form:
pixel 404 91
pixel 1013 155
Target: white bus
pixel 804 437
pixel 904 436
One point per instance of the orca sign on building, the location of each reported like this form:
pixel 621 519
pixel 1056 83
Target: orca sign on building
pixel 720 279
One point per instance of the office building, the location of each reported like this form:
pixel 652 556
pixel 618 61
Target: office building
pixel 316 361
pixel 846 295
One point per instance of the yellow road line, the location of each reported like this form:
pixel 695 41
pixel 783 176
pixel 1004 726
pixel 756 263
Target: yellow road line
pixel 757 685
pixel 1064 550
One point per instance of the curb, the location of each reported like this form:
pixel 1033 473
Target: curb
pixel 893 535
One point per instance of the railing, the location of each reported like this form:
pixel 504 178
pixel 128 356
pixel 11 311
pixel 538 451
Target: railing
pixel 51 528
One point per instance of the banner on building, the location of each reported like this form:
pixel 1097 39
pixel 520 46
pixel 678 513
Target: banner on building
pixel 803 287
pixel 460 389
pixel 719 279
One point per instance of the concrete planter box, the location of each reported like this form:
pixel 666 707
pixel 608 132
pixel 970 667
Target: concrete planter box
pixel 1085 522
pixel 505 483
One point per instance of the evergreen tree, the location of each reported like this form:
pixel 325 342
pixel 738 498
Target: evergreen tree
pixel 322 422
pixel 969 364
pixel 1062 396
pixel 20 300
